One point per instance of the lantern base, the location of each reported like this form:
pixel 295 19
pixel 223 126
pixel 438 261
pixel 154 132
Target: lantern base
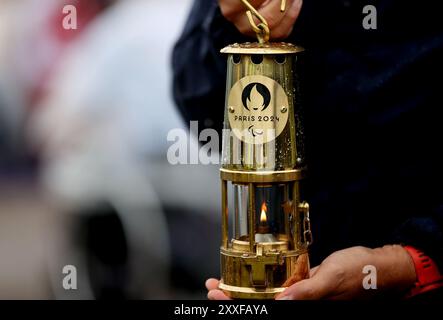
pixel 251 276
pixel 235 292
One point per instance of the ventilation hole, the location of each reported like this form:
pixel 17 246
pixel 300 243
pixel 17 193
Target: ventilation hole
pixel 280 58
pixel 257 58
pixel 426 266
pixel 236 58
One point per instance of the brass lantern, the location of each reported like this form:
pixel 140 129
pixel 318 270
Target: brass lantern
pixel 265 224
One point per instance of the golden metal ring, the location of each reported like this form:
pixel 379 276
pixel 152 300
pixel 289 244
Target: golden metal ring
pixel 262 176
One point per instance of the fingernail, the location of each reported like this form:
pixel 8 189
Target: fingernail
pixel 284 298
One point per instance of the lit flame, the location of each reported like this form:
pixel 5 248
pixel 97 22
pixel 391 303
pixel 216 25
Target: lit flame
pixel 264 209
pixel 255 100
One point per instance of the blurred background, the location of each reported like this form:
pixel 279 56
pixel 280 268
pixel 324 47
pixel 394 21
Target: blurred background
pixel 84 178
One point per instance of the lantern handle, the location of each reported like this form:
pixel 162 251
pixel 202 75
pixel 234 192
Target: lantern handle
pixel 262 29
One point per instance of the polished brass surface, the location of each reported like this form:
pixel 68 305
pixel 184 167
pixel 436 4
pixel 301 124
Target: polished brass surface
pixel 254 48
pixel 242 247
pixel 283 6
pixel 251 217
pixel 257 122
pixel 246 276
pixel 236 292
pixel 224 214
pixel 307 233
pixel 262 93
pixel 262 176
pixel 288 207
pixel 286 151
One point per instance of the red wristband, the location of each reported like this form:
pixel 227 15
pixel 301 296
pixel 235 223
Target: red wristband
pixel 428 275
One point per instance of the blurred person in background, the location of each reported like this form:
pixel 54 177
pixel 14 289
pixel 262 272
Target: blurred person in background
pixel 94 103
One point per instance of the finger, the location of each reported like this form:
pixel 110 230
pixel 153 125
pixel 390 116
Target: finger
pixel 303 290
pixel 300 271
pixel 270 10
pixel 315 288
pixel 272 13
pixel 217 295
pixel 286 25
pixel 211 284
pixel 232 9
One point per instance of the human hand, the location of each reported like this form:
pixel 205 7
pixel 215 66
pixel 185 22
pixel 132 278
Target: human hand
pixel 340 276
pixel 280 23
pixel 214 293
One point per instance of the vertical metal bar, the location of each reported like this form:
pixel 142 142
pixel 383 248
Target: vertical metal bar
pixel 283 6
pixel 287 213
pixel 296 218
pixel 251 216
pixel 237 209
pixel 224 214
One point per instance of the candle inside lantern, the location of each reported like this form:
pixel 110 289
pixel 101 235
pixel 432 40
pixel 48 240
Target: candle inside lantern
pixel 263 234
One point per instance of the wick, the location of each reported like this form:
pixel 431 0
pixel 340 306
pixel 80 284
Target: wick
pixel 263 228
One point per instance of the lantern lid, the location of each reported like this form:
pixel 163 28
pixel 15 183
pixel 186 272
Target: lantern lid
pixel 265 48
